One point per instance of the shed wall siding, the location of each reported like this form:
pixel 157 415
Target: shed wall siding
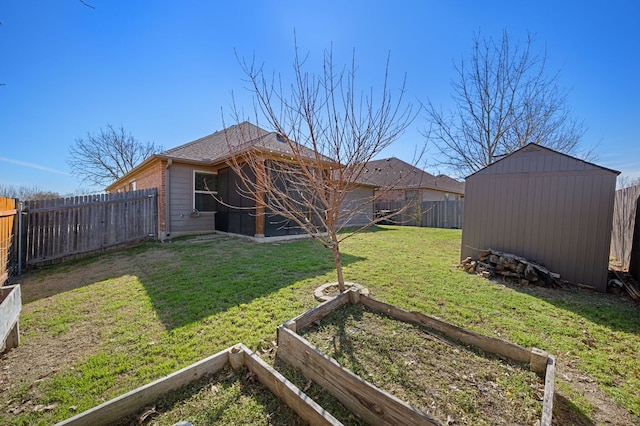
pixel 181 200
pixel 561 219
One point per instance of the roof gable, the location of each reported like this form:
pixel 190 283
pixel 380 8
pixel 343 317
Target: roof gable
pixel 218 147
pixel 534 158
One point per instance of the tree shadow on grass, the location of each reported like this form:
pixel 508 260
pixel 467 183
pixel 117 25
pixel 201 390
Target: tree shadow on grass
pixel 566 412
pixel 191 279
pixel 209 278
pixel 47 281
pixel 614 311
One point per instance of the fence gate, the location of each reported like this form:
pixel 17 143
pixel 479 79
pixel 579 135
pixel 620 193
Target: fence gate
pixel 7 233
pixel 63 227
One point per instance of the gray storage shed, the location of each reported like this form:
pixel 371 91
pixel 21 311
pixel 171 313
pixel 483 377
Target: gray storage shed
pixel 545 206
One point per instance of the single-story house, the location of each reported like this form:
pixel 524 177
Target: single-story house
pixel 190 175
pixel 546 206
pixel 409 183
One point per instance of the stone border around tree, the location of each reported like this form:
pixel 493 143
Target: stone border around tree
pixel 320 295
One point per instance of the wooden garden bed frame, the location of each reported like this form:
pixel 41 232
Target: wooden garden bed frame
pixel 375 405
pixel 237 356
pixel 10 307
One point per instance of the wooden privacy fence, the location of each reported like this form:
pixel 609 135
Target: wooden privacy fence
pixel 63 227
pixel 625 235
pixel 8 215
pixel 431 214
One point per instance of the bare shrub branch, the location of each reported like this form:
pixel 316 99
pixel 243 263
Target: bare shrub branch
pixel 327 130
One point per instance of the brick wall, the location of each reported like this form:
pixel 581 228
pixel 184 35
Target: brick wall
pixel 152 176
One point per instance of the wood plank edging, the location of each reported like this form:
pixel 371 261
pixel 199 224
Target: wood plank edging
pixel 290 394
pixel 10 308
pixel 362 397
pixel 374 405
pixel 237 356
pixel 549 392
pixel 487 344
pixel 316 314
pixel 130 402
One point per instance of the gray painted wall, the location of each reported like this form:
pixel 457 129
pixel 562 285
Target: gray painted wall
pixel 181 202
pixel 544 206
pixel 364 213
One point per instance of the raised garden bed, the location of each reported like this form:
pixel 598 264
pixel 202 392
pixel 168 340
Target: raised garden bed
pixel 10 307
pixel 182 393
pixel 444 373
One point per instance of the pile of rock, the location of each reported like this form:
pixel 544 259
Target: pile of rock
pixel 493 262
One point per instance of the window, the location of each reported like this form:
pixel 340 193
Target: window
pixel 132 185
pixel 410 195
pixel 204 185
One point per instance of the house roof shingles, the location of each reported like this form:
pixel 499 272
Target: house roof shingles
pixel 395 172
pixel 219 146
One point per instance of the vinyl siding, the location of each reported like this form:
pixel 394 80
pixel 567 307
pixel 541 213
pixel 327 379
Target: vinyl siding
pixel 364 213
pixel 181 200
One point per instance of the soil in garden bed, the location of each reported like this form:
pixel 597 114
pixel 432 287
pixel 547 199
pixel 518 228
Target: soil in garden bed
pixel 228 397
pixel 453 382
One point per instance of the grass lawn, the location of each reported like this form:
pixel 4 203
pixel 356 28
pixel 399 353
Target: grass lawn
pixel 96 328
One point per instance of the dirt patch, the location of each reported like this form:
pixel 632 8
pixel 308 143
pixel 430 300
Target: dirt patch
pixel 42 354
pixel 42 283
pixel 605 410
pixel 38 358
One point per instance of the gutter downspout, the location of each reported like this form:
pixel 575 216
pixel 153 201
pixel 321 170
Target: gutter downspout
pixel 167 190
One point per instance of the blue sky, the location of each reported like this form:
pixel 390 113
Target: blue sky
pixel 164 70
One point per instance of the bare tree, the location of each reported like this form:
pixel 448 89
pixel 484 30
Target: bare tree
pixel 328 130
pixel 625 181
pixel 103 157
pixel 503 101
pixel 26 193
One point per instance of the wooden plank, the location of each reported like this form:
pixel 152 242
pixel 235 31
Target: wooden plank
pixel 316 314
pixel 129 403
pixel 298 401
pixel 10 308
pixel 549 391
pixel 64 227
pixel 372 404
pixel 487 344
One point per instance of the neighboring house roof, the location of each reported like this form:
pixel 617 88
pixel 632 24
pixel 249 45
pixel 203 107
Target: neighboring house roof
pixel 401 175
pixel 217 147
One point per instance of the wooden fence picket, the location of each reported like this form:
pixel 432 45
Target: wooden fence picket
pixel 59 228
pixel 625 235
pixel 432 214
pixel 8 214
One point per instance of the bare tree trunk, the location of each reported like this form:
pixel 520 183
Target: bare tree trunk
pixel 338 260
